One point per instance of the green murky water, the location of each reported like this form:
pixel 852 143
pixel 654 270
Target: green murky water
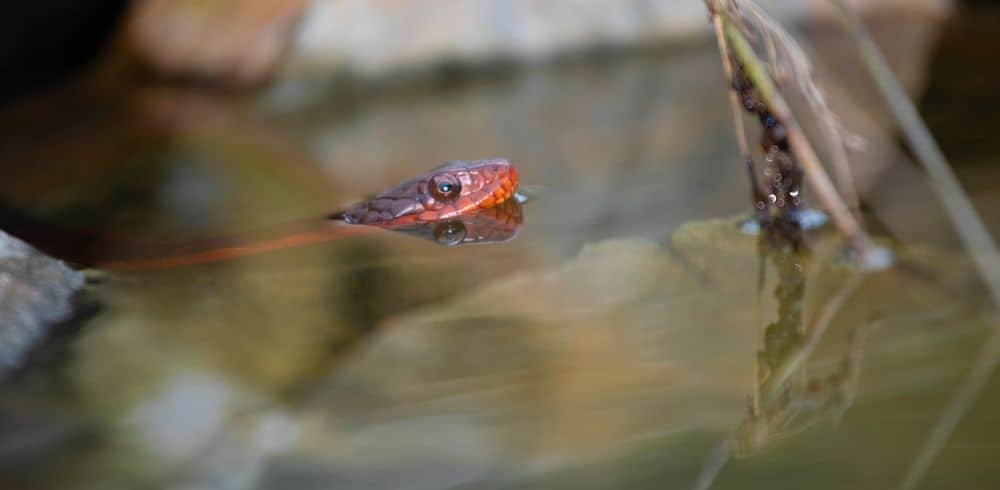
pixel 628 338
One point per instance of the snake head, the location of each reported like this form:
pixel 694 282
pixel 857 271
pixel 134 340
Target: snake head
pixel 453 189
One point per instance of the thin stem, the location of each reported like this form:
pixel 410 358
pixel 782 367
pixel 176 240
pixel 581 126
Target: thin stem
pixel 799 69
pixel 960 403
pixel 756 193
pixel 734 101
pixel 713 466
pixel 970 227
pixel 943 181
pixel 841 169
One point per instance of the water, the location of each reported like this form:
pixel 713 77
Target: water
pixel 628 333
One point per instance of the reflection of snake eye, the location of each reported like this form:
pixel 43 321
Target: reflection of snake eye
pixel 445 187
pixel 449 233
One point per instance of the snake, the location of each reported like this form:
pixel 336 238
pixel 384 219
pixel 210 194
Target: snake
pixel 457 203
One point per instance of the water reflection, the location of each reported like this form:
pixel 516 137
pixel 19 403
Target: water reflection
pixel 788 396
pixel 612 345
pixel 491 225
pixel 496 224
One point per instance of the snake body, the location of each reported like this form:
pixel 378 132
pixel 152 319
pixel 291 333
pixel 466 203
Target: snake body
pixel 457 203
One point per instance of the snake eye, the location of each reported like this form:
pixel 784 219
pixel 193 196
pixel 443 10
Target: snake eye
pixel 449 233
pixel 445 187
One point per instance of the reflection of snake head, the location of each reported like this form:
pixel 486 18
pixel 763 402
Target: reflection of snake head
pixel 449 191
pixel 490 225
pixel 450 233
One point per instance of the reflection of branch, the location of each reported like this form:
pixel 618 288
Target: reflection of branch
pixel 789 408
pixel 777 379
pixel 795 63
pixel 963 399
pixel 852 368
pixel 713 466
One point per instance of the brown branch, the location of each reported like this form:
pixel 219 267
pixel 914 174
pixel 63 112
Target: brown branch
pixel 869 255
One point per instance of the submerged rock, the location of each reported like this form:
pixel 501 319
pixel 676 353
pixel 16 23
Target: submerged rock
pixel 35 293
pixel 33 432
pixel 632 341
pixel 628 343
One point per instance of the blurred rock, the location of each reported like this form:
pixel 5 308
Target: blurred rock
pixel 460 453
pixel 625 342
pixel 246 42
pixel 35 292
pixel 375 38
pixel 237 41
pixel 32 432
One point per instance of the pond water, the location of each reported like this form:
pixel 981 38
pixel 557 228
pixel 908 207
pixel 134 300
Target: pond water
pixel 630 336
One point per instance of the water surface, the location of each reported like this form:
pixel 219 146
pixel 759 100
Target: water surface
pixel 627 334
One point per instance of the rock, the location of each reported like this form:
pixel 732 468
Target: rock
pixel 35 293
pixel 549 357
pixel 235 41
pixel 373 38
pixel 33 430
pixel 623 320
pixel 521 375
